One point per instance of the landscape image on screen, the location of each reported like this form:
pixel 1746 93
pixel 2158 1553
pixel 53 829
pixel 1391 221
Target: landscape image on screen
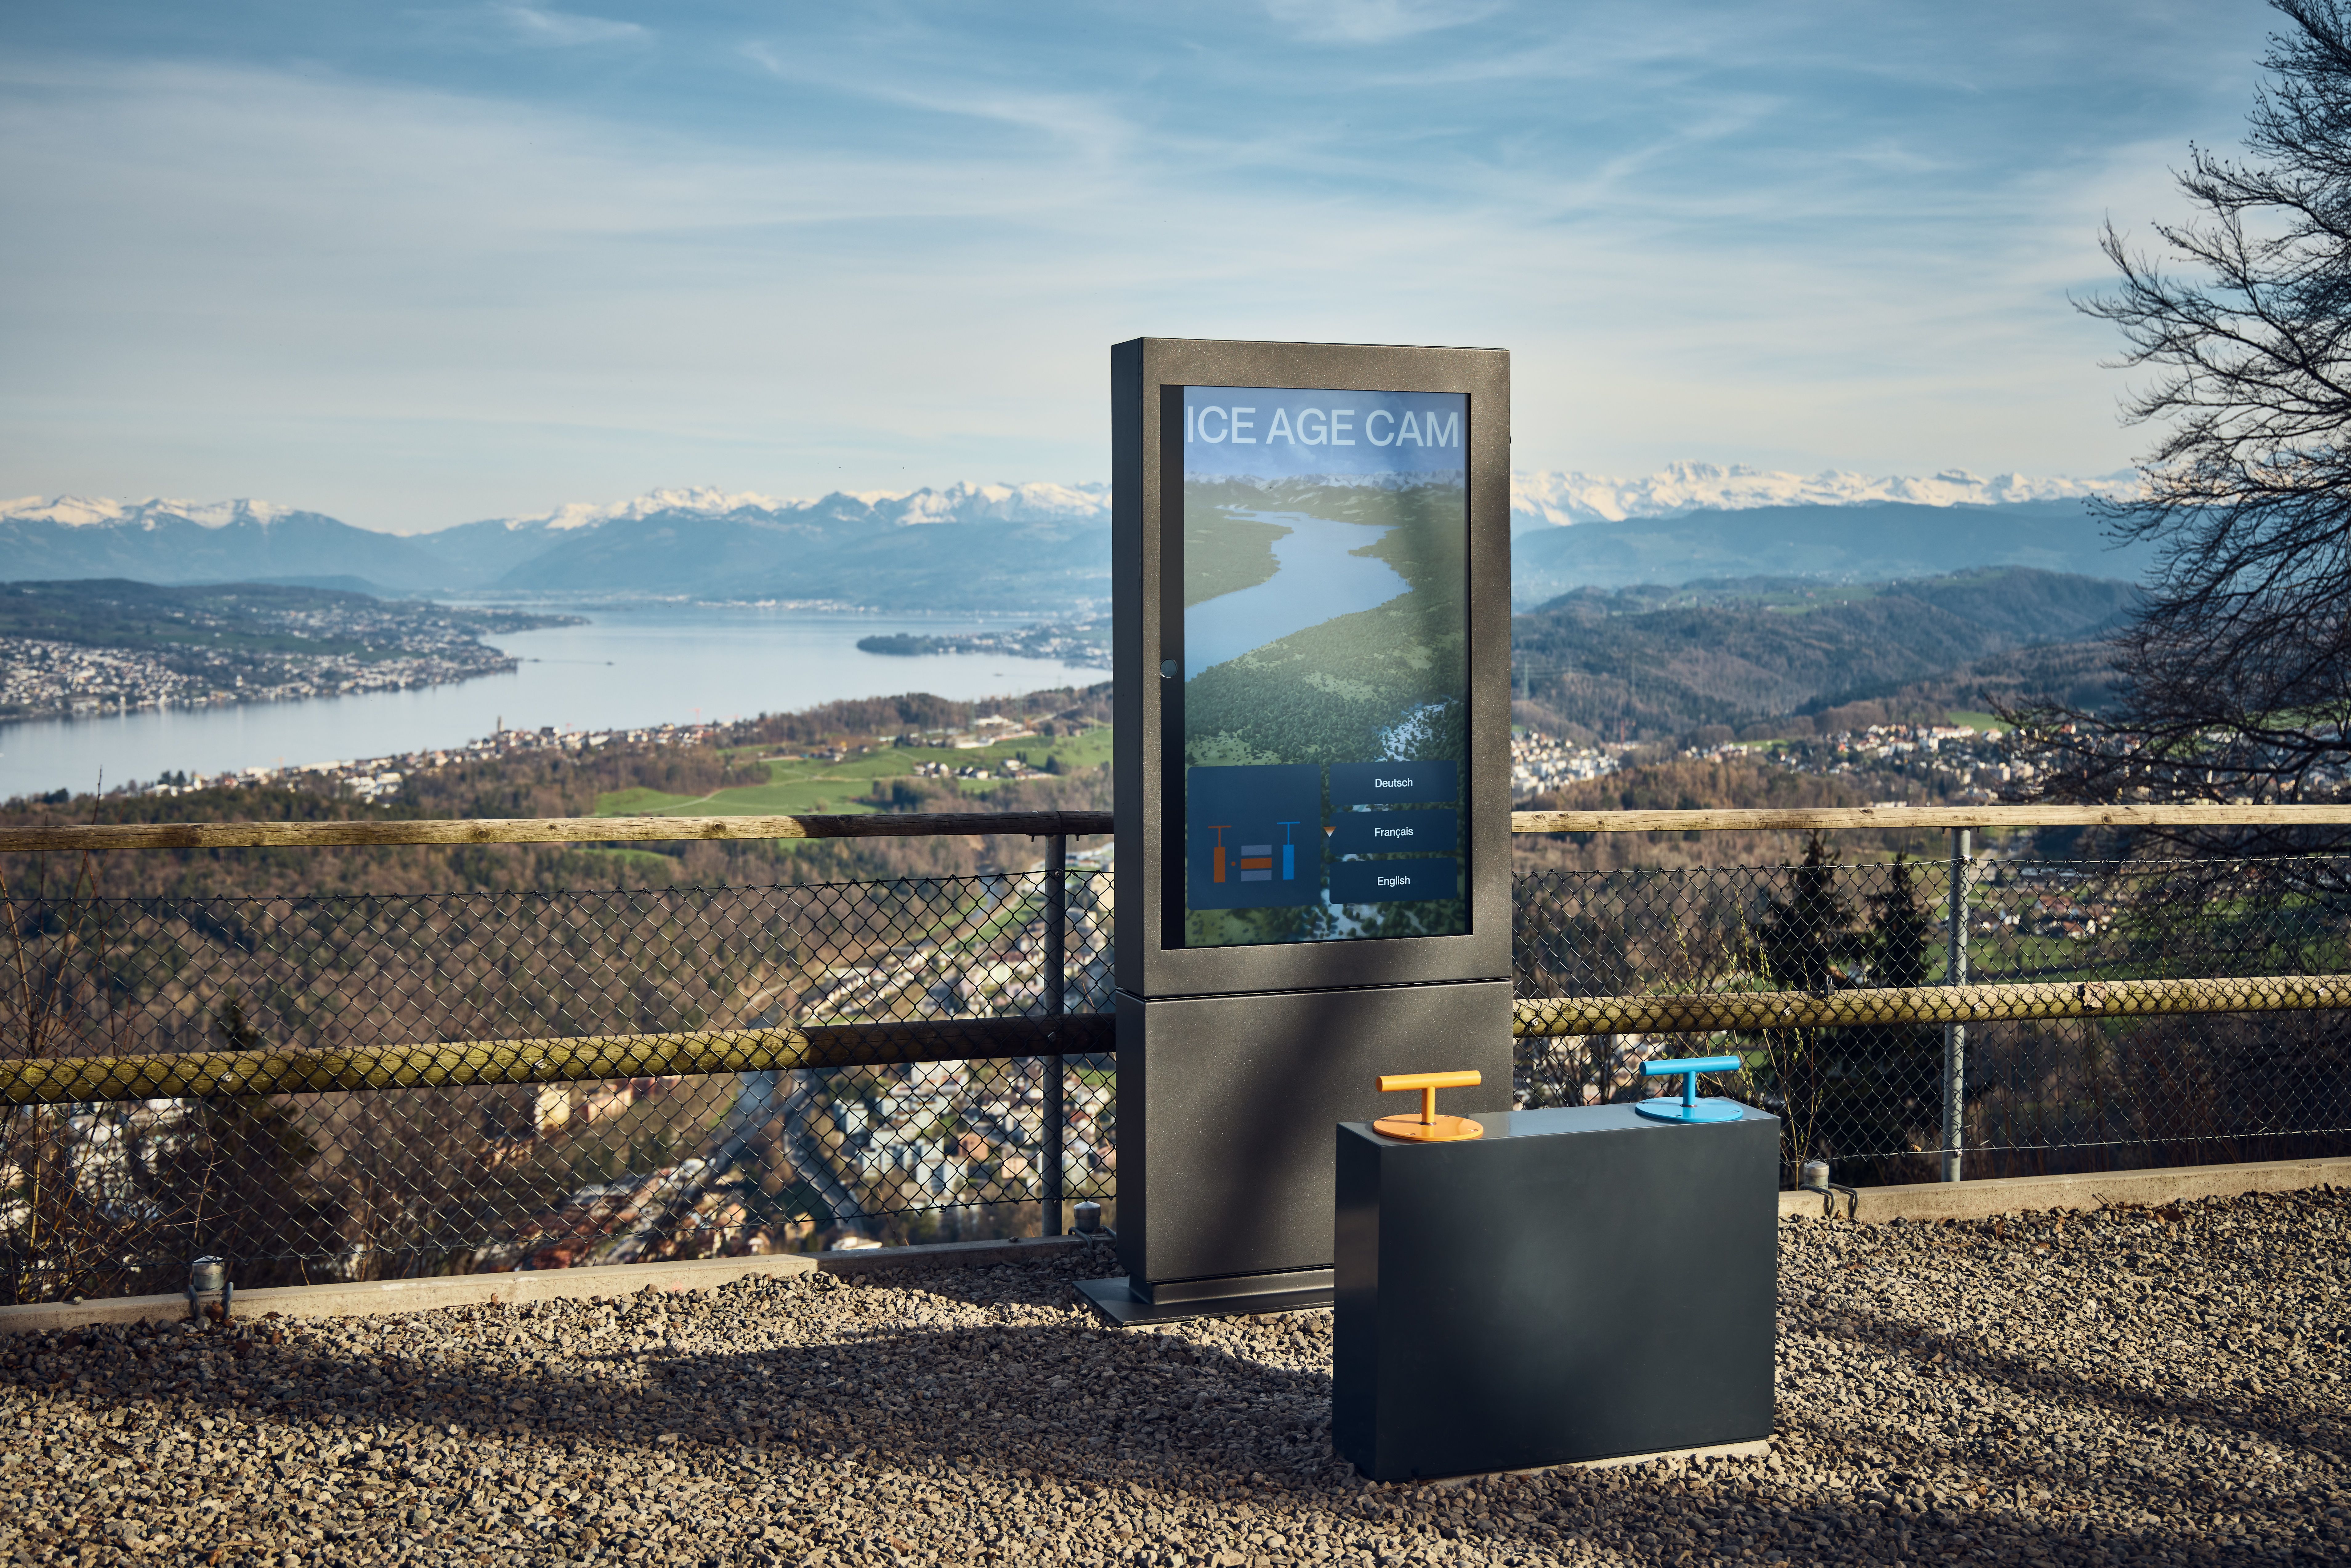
pixel 1325 566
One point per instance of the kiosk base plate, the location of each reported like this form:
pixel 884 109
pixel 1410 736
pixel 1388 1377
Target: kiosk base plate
pixel 1115 1301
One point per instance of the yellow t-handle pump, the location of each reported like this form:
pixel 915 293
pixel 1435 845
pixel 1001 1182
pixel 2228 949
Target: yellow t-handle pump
pixel 1428 1127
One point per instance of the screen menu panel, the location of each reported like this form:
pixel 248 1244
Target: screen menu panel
pixel 1324 559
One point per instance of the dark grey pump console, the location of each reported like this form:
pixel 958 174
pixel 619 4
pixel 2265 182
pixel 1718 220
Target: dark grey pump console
pixel 1576 1285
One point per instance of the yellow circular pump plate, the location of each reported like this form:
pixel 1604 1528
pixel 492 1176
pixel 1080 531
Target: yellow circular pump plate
pixel 1443 1129
pixel 1428 1127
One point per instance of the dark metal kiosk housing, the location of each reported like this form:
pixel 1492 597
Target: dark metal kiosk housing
pixel 1577 1284
pixel 1311 645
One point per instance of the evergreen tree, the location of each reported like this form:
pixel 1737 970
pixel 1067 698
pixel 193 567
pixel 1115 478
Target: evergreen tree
pixel 1860 1095
pixel 1805 941
pixel 235 1183
pixel 1890 1092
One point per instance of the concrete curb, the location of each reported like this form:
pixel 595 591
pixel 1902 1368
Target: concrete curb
pixel 2099 1189
pixel 1920 1201
pixel 957 1254
pixel 375 1298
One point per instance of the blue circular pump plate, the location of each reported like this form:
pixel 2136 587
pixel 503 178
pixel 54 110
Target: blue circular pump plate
pixel 1674 1110
pixel 1690 1107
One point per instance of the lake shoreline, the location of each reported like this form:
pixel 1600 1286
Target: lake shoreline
pixel 627 666
pixel 1321 573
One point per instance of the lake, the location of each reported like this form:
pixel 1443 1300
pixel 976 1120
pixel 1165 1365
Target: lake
pixel 632 664
pixel 1319 578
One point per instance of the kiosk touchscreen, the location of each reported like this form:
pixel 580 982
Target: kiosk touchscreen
pixel 1311 648
pixel 1325 690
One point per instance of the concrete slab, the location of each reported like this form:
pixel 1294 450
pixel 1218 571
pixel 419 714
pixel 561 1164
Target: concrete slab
pixel 2099 1189
pixel 1755 1449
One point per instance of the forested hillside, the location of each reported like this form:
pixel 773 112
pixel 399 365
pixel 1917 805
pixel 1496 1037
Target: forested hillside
pixel 1629 663
pixel 248 618
pixel 1666 783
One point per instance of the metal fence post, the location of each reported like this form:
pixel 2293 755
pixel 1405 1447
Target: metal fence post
pixel 1057 982
pixel 1955 1035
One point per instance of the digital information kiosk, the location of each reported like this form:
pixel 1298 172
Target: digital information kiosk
pixel 1311 650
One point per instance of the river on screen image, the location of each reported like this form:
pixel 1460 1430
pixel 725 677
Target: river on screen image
pixel 631 664
pixel 1325 570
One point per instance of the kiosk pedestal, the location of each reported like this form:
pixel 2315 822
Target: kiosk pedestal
pixel 1310 549
pixel 1576 1285
pixel 1241 1223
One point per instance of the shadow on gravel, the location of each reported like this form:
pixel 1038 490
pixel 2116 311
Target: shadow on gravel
pixel 2320 1428
pixel 2003 1454
pixel 1068 1400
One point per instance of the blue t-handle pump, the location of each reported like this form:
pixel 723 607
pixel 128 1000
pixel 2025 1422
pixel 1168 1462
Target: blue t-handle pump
pixel 1690 1107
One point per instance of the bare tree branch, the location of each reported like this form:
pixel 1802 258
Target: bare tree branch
pixel 2235 681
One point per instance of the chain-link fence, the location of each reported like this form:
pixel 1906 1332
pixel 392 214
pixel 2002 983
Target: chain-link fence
pixel 354 1087
pixel 597 1154
pixel 2035 1096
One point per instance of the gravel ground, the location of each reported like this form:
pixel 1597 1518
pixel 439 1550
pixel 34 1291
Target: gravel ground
pixel 2136 1386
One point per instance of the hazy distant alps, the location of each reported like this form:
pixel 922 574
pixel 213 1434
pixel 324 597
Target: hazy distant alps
pixel 1045 548
pixel 1573 497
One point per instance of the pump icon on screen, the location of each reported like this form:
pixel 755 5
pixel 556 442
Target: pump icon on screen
pixel 1249 828
pixel 1256 862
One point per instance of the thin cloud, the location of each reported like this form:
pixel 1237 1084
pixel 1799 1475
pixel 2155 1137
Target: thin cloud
pixel 1375 21
pixel 563 29
pixel 1078 122
pixel 871 246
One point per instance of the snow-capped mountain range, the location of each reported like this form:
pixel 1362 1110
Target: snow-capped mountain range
pixel 1573 498
pixel 1543 496
pixel 988 547
pixel 959 503
pixel 88 512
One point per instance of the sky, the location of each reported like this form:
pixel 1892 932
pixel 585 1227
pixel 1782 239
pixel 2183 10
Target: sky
pixel 416 265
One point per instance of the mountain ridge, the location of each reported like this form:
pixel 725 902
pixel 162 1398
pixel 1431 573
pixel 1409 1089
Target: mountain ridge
pixel 1046 547
pixel 1559 498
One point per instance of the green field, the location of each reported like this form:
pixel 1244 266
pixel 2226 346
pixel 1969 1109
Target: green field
pixel 801 786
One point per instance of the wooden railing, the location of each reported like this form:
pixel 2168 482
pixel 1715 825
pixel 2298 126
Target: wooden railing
pixel 937 825
pixel 1941 817
pixel 73 1080
pixel 61 1081
pixel 544 831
